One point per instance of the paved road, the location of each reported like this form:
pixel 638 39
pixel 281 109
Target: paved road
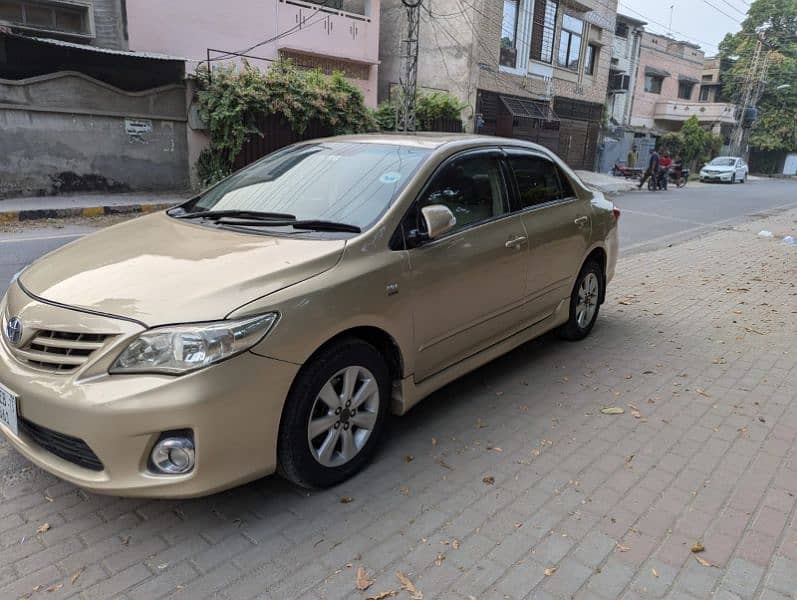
pixel 656 219
pixel 650 220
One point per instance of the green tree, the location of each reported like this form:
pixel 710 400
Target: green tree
pixel 774 22
pixel 428 107
pixel 693 143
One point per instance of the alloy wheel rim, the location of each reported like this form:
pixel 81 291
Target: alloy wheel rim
pixel 587 300
pixel 343 416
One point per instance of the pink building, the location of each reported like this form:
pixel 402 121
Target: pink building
pixel 332 35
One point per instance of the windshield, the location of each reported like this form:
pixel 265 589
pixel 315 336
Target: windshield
pixel 345 182
pixel 723 162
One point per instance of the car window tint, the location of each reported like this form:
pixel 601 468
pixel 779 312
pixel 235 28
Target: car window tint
pixel 538 180
pixel 472 188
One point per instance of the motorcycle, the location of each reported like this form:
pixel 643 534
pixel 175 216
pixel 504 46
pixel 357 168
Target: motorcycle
pixel 667 176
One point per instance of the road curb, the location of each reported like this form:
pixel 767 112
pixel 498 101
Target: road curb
pixel 84 211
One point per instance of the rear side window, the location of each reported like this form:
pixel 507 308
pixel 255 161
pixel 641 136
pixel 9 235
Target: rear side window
pixel 538 180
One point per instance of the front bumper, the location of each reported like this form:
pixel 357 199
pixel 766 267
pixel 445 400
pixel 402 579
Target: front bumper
pixel 233 409
pixel 716 176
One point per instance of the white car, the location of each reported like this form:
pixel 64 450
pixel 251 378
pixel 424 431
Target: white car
pixel 729 169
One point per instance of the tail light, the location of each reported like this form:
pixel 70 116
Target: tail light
pixel 616 212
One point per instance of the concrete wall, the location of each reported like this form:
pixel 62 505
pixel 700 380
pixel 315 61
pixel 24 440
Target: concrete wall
pixel 68 132
pixel 109 24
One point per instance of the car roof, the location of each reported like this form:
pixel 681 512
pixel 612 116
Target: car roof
pixel 435 140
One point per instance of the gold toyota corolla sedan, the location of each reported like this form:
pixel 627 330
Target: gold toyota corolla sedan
pixel 272 322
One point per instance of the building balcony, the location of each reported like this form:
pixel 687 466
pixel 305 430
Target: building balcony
pixel 706 112
pixel 319 30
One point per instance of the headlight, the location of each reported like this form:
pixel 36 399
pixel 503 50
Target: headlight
pixel 182 348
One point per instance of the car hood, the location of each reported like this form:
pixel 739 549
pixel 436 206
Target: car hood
pixel 160 270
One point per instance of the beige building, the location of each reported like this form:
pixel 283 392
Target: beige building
pixel 668 87
pixel 531 69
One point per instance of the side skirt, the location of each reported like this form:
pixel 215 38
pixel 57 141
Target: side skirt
pixel 406 393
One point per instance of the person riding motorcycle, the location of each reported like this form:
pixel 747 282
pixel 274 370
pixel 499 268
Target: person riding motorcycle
pixel 665 162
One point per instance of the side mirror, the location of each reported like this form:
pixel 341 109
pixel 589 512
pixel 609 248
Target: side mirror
pixel 439 220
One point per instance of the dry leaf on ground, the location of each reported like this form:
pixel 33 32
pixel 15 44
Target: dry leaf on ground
pixel 408 586
pixel 703 392
pixel 612 410
pixel 439 560
pixel 622 548
pixel 405 491
pixel 655 572
pixel 346 500
pixel 409 458
pixel 55 587
pixel 549 571
pixel 77 574
pixel 489 480
pixel 383 595
pixel 455 544
pixel 698 547
pixel 43 528
pixel 703 561
pixel 363 582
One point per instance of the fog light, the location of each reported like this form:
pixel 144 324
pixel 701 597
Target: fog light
pixel 173 455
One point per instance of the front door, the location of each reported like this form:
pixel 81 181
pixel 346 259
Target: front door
pixel 467 287
pixel 558 225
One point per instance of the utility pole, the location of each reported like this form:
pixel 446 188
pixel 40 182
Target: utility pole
pixel 754 83
pixel 408 78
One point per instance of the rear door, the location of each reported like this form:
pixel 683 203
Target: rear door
pixel 559 228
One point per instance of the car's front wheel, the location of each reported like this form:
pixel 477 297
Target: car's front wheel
pixel 584 302
pixel 334 415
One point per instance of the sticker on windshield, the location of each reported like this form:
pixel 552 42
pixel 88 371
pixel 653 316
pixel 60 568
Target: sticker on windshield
pixel 390 177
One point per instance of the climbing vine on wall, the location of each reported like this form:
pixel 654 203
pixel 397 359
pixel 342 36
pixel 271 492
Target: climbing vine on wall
pixel 230 99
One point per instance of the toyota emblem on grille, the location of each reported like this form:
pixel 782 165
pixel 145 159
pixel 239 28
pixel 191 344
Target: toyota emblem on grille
pixel 14 330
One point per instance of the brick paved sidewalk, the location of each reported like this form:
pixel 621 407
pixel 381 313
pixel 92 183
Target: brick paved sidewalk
pixel 511 482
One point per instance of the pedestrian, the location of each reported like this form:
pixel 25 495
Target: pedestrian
pixel 678 169
pixel 632 158
pixel 653 168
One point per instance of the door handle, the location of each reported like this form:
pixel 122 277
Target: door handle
pixel 516 242
pixel 581 221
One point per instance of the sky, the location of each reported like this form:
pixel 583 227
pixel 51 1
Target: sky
pixel 692 20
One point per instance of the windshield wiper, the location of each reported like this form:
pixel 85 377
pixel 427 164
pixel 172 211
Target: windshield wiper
pixel 311 224
pixel 241 214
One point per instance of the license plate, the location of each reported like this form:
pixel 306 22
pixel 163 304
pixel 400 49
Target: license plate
pixel 8 410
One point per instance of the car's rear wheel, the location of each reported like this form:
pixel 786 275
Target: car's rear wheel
pixel 334 415
pixel 584 302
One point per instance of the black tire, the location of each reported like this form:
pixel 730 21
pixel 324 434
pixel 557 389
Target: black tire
pixel 571 330
pixel 296 462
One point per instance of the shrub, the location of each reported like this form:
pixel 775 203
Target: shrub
pixel 230 99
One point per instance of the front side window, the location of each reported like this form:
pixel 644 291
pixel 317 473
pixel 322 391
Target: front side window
pixel 685 90
pixel 653 84
pixel 543 28
pixel 538 180
pixel 570 42
pixel 509 28
pixel 344 182
pixel 471 187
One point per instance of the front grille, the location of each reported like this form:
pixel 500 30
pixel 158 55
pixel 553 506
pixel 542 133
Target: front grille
pixel 64 446
pixel 60 351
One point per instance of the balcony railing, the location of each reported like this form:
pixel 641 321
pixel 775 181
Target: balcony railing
pixel 333 32
pixel 679 110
